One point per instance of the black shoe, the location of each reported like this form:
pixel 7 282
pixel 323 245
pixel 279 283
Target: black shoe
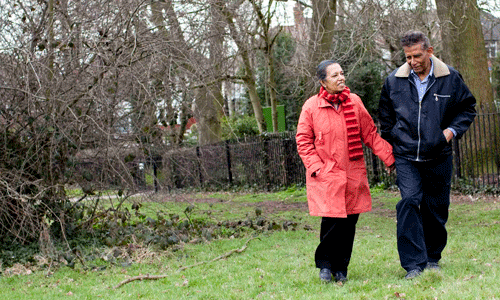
pixel 325 275
pixel 413 274
pixel 340 277
pixel 433 266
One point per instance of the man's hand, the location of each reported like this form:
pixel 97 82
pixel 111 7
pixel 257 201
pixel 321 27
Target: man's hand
pixel 448 135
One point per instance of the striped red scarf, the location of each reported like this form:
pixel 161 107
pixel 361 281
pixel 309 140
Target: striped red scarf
pixel 353 131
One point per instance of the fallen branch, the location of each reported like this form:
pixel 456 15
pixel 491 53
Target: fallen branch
pixel 156 277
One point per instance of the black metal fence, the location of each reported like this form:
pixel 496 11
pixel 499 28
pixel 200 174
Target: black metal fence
pixel 271 160
pixel 477 153
pixel 263 161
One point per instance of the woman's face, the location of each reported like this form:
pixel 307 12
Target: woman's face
pixel 335 80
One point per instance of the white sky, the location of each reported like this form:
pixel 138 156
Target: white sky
pixel 286 17
pixel 493 5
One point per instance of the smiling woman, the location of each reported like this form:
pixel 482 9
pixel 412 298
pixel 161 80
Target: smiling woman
pixel 334 81
pixel 332 127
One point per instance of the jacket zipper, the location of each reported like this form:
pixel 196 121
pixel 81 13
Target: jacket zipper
pixel 418 128
pixel 420 113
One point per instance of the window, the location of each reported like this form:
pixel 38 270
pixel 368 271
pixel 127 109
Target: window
pixel 491 49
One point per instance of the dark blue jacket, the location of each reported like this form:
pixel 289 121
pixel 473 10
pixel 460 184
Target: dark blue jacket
pixel 415 130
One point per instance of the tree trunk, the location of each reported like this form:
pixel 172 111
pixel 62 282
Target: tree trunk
pixel 463 44
pixel 209 100
pixel 464 49
pixel 207 117
pixel 255 100
pixel 272 90
pixel 322 30
pixel 269 38
pixel 249 77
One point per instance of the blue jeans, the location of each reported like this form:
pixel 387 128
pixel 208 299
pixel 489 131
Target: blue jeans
pixel 422 211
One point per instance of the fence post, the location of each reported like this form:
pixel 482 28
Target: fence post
pixel 176 177
pixel 228 157
pixel 376 175
pixel 265 158
pixel 198 155
pixel 287 161
pixel 458 163
pixel 155 174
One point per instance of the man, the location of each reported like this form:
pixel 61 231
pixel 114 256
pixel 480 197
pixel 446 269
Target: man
pixel 423 105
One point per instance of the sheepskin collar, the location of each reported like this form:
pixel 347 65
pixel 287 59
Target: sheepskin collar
pixel 440 69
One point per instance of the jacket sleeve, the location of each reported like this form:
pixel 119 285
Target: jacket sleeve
pixel 386 113
pixel 371 138
pixel 463 111
pixel 305 141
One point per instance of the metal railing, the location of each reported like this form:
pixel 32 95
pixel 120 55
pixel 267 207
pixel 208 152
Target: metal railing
pixel 272 160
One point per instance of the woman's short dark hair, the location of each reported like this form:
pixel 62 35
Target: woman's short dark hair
pixel 321 70
pixel 415 37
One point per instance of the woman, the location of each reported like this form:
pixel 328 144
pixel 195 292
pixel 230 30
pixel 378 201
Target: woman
pixel 332 126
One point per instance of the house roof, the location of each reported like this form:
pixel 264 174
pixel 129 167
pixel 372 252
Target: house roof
pixel 491 27
pixel 191 121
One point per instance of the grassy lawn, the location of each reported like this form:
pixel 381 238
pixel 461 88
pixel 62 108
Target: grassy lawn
pixel 280 264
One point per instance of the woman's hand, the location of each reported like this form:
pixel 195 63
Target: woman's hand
pixel 390 169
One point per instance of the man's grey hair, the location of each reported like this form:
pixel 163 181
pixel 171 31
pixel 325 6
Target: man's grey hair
pixel 415 37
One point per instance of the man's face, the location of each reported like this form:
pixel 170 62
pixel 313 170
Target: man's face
pixel 335 80
pixel 419 58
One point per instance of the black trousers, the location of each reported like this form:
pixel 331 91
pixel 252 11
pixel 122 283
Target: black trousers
pixel 422 212
pixel 336 240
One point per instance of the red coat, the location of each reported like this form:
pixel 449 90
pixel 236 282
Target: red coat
pixel 341 188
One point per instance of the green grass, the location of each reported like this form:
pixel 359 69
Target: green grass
pixel 280 265
pixel 292 194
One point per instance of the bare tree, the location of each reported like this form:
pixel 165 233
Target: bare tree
pixel 239 27
pixel 268 37
pixel 322 30
pixel 85 83
pixel 190 62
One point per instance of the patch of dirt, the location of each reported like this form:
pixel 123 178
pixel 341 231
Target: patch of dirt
pixel 456 198
pixel 385 212
pixel 468 199
pixel 182 198
pixel 269 207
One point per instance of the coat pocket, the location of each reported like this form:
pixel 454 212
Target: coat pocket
pixel 439 97
pixel 322 127
pixel 321 134
pixel 324 170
